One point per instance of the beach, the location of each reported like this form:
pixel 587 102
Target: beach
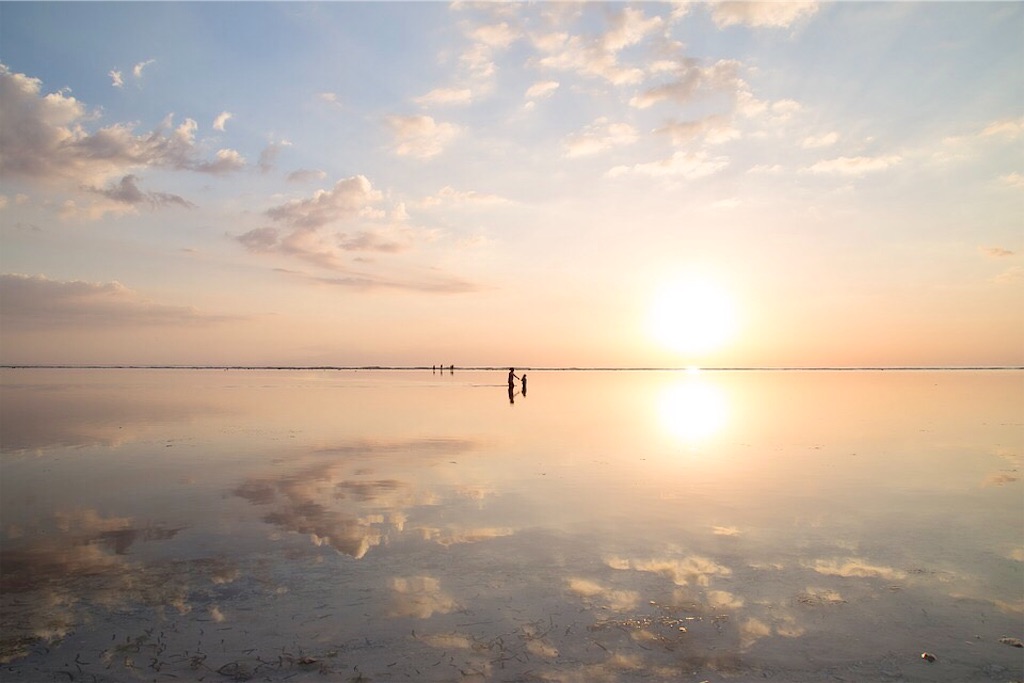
pixel 391 525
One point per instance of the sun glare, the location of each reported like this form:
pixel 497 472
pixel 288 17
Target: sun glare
pixel 693 410
pixel 692 316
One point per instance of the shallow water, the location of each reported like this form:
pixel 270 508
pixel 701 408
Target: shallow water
pixel 608 526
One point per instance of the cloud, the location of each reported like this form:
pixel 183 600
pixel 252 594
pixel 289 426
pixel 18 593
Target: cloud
pixel 691 80
pixel 602 134
pixel 222 118
pixel 1010 128
pixel 430 283
pixel 1010 276
pixel 446 96
pixel 761 14
pixel 33 301
pixel 127 191
pixel 689 165
pixel 819 141
pixel 449 196
pixel 301 235
pixel 995 252
pixel 303 175
pixel 856 166
pixel 268 157
pixel 715 129
pixel 420 136
pixel 541 90
pixel 1013 180
pixel 598 57
pixel 137 69
pixel 227 160
pixel 44 137
pixel 115 76
pixel 348 198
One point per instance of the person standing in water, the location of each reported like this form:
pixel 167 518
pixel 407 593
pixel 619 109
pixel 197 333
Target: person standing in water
pixel 511 377
pixel 523 378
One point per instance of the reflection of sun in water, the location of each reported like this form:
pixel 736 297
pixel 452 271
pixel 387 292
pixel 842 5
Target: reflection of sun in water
pixel 692 316
pixel 693 410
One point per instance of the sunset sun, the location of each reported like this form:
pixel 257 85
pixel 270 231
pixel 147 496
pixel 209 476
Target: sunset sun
pixel 693 316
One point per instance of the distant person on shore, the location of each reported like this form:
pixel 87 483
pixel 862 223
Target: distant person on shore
pixel 511 378
pixel 524 384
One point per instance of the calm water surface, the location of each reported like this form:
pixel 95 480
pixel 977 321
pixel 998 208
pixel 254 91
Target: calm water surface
pixel 608 526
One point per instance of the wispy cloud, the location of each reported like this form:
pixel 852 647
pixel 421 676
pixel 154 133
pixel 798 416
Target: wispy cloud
pixel 33 301
pixel 995 252
pixel 126 191
pixel 688 165
pixel 449 196
pixel 856 166
pixel 602 134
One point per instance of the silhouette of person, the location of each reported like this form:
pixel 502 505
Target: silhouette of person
pixel 523 378
pixel 511 377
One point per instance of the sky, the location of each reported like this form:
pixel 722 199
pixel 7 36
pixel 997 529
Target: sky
pixel 531 184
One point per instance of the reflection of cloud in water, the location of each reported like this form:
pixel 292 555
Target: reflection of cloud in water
pixel 337 504
pixel 453 536
pixel 52 573
pixel 856 567
pixel 616 600
pixel 419 597
pixel 695 570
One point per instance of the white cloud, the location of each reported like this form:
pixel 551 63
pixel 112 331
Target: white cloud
pixel 446 96
pixel 819 141
pixel 715 129
pixel 599 136
pixel 44 137
pixel 137 69
pixel 598 57
pixel 1010 128
pixel 772 14
pixel 448 195
pixel 689 165
pixel 222 118
pixel 117 78
pixel 856 166
pixel 420 136
pixel 541 90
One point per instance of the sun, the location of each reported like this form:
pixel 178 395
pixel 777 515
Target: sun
pixel 692 315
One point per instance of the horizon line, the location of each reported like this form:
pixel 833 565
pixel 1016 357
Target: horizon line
pixel 496 368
